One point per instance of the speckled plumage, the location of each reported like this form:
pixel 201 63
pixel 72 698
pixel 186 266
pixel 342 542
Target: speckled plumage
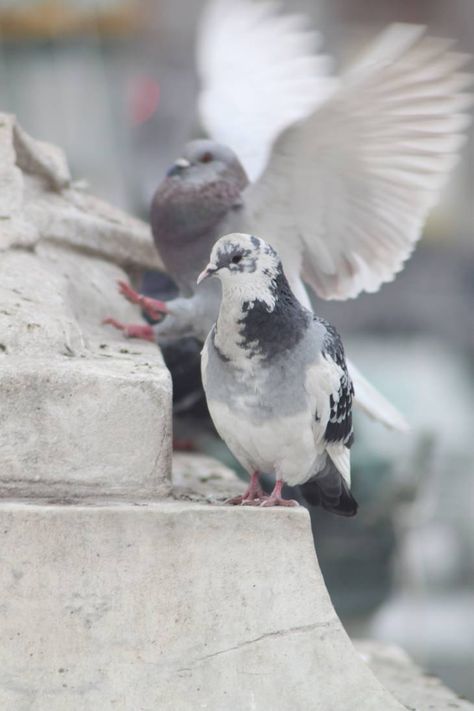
pixel 274 375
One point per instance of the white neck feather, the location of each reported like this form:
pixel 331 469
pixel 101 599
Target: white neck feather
pixel 237 292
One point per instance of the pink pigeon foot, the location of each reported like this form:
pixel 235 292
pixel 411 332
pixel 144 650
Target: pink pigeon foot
pixel 276 499
pixel 252 496
pixel 131 330
pixel 153 307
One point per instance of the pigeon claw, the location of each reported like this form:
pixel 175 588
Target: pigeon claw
pixel 235 500
pixel 131 330
pixel 155 308
pixel 245 500
pixel 109 321
pixel 129 293
pixel 255 502
pixel 278 501
pixel 253 496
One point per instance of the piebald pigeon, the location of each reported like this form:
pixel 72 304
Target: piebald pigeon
pixel 276 381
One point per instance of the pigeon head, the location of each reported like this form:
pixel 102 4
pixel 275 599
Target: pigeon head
pixel 201 190
pixel 206 161
pixel 243 262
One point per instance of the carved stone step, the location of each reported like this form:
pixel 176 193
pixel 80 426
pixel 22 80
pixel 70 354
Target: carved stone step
pixel 171 607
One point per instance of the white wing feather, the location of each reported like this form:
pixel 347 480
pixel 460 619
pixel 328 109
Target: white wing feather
pixel 323 380
pixel 347 190
pixel 341 458
pixel 260 72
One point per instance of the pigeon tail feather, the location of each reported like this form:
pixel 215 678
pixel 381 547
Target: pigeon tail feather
pixel 330 491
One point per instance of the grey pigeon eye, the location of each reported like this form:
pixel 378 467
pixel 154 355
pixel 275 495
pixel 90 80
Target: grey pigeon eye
pixel 236 259
pixel 206 157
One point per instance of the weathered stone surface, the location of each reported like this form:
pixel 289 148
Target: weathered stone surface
pixel 82 411
pixel 36 317
pixel 38 201
pixel 40 158
pixel 200 477
pixel 76 427
pixel 406 681
pixel 14 228
pixel 76 218
pixel 171 607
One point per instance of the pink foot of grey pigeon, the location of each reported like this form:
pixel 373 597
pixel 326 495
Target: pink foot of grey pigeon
pixel 276 499
pixel 253 496
pixel 131 330
pixel 153 307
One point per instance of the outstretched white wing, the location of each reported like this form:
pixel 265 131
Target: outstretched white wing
pixel 260 72
pixel 347 190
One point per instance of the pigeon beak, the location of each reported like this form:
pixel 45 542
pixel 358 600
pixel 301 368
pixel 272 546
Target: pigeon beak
pixel 207 272
pixel 178 166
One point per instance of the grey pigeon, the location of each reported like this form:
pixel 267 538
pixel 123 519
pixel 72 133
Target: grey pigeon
pixel 276 381
pixel 338 174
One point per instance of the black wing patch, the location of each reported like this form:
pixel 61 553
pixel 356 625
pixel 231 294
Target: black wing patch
pixel 339 427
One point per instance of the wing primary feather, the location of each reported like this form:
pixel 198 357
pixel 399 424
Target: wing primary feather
pixel 349 187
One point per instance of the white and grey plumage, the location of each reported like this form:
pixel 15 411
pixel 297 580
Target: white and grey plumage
pixel 276 380
pixel 340 174
pixel 344 171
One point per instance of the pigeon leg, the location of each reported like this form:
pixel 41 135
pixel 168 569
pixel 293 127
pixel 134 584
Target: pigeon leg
pixel 275 498
pixel 153 307
pixel 252 496
pixel 131 330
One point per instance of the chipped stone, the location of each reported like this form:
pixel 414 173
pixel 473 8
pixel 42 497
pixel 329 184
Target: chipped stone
pixel 68 385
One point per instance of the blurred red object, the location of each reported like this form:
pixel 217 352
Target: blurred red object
pixel 144 98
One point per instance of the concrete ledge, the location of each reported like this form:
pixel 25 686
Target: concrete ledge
pixel 171 606
pixel 59 425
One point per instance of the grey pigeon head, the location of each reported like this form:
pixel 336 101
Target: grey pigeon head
pixel 201 191
pixel 204 160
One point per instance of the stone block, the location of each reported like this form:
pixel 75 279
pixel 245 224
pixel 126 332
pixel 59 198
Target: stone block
pixel 82 427
pixel 83 412
pixel 171 607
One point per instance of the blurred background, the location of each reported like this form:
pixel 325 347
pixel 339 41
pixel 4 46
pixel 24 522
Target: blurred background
pixel 113 83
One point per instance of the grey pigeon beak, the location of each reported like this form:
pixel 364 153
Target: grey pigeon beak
pixel 178 166
pixel 207 272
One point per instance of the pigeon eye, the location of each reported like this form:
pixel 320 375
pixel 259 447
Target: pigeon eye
pixel 236 259
pixel 206 157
